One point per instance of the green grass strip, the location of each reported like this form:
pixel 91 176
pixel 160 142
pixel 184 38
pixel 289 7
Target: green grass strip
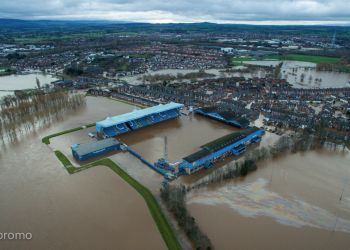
pixel 65 161
pixel 46 139
pixel 305 58
pixel 163 226
pixel 158 216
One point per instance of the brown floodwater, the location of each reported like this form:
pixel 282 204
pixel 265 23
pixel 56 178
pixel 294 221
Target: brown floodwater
pixel 94 209
pixel 289 203
pixel 300 201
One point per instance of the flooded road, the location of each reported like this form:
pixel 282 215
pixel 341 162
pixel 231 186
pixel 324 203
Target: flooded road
pixel 27 81
pixel 94 209
pixel 295 202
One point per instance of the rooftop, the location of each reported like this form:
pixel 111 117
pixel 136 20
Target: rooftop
pixel 197 155
pixel 137 114
pixel 82 149
pixel 228 139
pixel 219 144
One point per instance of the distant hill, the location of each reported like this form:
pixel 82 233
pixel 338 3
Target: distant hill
pixel 18 25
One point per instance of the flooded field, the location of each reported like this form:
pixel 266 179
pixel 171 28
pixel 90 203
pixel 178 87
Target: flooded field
pixel 299 74
pixel 92 209
pixel 27 81
pixel 185 135
pixel 137 79
pixel 295 202
pixel 304 74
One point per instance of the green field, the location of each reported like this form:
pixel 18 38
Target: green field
pixel 304 58
pixel 6 71
pixel 236 61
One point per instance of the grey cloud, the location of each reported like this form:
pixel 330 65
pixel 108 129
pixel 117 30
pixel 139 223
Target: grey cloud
pixel 180 10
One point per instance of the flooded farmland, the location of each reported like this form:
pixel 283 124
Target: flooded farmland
pixel 27 81
pixel 299 74
pixel 92 209
pixel 304 74
pixel 295 202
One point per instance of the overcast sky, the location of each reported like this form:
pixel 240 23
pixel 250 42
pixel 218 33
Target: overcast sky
pixel 163 11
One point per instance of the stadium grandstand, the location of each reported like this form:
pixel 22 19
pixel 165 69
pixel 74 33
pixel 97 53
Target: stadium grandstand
pixel 227 117
pixel 231 144
pixel 113 126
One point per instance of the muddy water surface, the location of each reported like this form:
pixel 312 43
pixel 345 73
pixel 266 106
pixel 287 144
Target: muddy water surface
pixel 305 75
pixel 94 209
pixel 295 202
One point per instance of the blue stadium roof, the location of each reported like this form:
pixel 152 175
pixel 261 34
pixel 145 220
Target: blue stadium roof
pixel 83 149
pixel 136 114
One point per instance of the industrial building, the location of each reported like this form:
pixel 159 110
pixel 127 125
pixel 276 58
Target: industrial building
pixel 113 126
pixel 82 152
pixel 231 144
pixel 227 117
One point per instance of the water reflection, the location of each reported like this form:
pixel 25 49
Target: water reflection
pixel 255 199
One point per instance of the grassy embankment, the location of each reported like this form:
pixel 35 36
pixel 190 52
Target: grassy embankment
pixel 66 162
pixel 46 139
pixel 163 226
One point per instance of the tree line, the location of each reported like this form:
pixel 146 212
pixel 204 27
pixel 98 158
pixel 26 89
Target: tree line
pixel 174 197
pixel 179 76
pixel 19 114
